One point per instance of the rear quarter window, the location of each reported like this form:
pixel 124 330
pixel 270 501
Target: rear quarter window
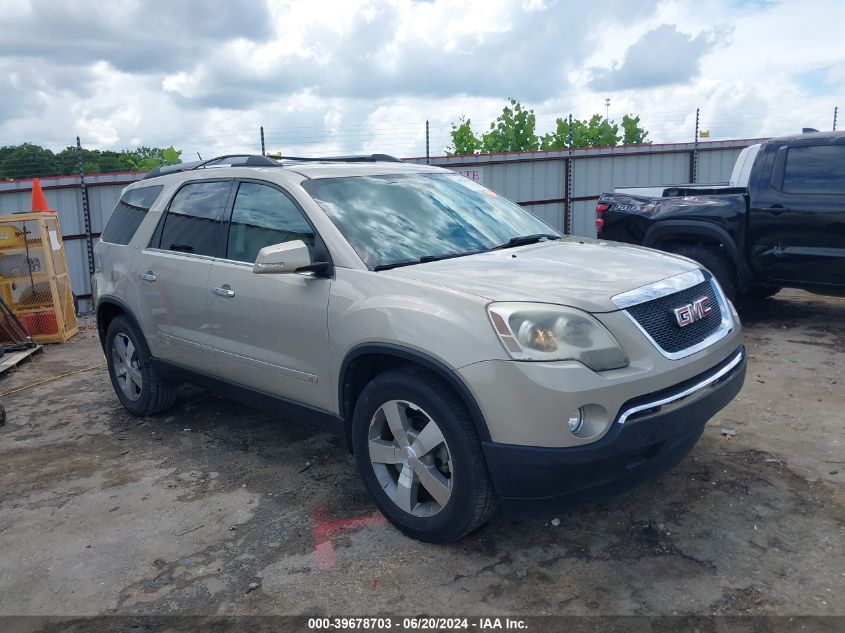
pixel 129 213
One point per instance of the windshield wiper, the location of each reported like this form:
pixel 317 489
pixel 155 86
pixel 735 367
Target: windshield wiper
pixel 424 260
pixel 522 240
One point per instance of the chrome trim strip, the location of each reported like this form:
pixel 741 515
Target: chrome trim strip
pixel 234 262
pixel 658 289
pixel 287 372
pixel 686 392
pixel 725 327
pixel 162 251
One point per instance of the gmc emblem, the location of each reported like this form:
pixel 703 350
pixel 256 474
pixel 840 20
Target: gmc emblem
pixel 693 312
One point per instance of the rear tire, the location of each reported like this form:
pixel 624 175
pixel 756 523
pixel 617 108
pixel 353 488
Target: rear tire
pixel 716 262
pixel 420 457
pixel 135 381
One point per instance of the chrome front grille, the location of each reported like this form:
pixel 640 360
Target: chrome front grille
pixel 657 318
pixel 653 309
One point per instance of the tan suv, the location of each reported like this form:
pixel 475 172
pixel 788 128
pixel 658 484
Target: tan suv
pixel 464 351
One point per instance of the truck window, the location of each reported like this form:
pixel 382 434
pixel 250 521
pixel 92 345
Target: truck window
pixel 815 169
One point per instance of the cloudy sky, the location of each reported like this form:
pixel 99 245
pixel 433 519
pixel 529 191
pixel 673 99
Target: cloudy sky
pixel 359 75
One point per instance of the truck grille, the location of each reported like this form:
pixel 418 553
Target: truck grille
pixel 657 318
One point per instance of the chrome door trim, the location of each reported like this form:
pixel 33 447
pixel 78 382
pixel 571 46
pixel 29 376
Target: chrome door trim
pixel 162 251
pixel 287 372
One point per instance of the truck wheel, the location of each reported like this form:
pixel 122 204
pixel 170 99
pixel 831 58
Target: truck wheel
pixel 716 262
pixel 134 379
pixel 419 456
pixel 757 293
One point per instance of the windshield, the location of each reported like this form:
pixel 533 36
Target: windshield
pixel 394 219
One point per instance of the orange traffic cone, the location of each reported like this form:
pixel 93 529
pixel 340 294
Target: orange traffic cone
pixel 39 200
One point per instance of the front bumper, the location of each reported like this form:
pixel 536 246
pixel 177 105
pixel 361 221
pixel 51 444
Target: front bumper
pixel 651 435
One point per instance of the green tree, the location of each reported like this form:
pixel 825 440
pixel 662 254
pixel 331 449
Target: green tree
pixel 596 132
pixel 147 158
pixel 512 131
pixel 633 133
pixel 29 160
pixel 464 140
pixel 26 161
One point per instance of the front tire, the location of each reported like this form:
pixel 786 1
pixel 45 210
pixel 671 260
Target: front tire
pixel 135 381
pixel 759 293
pixel 419 456
pixel 716 262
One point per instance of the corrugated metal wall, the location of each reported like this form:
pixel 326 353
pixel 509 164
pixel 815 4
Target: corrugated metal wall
pixel 536 180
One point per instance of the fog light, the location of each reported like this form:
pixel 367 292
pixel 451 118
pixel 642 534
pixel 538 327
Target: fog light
pixel 576 421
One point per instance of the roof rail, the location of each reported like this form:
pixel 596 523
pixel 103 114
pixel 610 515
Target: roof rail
pixel 249 160
pixel 257 160
pixel 368 158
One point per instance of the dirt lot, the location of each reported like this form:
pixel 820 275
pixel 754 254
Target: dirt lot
pixel 104 513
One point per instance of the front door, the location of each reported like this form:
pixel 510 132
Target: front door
pixel 173 286
pixel 797 227
pixel 270 330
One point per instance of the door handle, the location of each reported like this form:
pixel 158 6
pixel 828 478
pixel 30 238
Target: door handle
pixel 776 209
pixel 147 276
pixel 223 291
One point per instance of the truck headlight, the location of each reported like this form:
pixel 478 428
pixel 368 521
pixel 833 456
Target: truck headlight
pixel 545 332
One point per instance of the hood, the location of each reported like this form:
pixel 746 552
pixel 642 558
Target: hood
pixel 574 271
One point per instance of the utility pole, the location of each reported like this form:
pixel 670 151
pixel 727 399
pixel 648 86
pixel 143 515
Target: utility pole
pixel 607 108
pixel 427 154
pixel 835 114
pixel 567 222
pixel 86 209
pixel 262 141
pixel 695 148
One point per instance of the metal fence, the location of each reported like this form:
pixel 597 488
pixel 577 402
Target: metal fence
pixel 64 195
pixel 559 186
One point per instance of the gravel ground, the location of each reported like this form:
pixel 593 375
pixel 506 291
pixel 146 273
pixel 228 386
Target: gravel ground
pixel 214 508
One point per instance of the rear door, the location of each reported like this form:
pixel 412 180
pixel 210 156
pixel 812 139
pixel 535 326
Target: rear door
pixel 270 330
pixel 797 223
pixel 173 278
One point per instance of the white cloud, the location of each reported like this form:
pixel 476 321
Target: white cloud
pixel 363 75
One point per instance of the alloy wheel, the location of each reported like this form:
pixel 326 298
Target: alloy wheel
pixel 410 458
pixel 127 367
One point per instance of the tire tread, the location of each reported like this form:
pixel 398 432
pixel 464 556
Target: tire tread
pixel 484 501
pixel 161 394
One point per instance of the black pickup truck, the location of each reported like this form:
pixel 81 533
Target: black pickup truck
pixel 779 223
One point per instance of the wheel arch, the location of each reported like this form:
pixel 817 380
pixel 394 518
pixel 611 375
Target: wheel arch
pixel 670 232
pixel 109 307
pixel 364 362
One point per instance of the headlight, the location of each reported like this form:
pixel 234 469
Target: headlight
pixel 544 332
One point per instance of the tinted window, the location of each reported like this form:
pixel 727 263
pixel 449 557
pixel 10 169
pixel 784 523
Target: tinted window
pixel 815 169
pixel 263 216
pixel 398 218
pixel 129 213
pixel 193 217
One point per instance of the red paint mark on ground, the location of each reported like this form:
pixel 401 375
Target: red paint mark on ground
pixel 324 529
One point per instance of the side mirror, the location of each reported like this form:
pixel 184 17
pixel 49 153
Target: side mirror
pixel 287 257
